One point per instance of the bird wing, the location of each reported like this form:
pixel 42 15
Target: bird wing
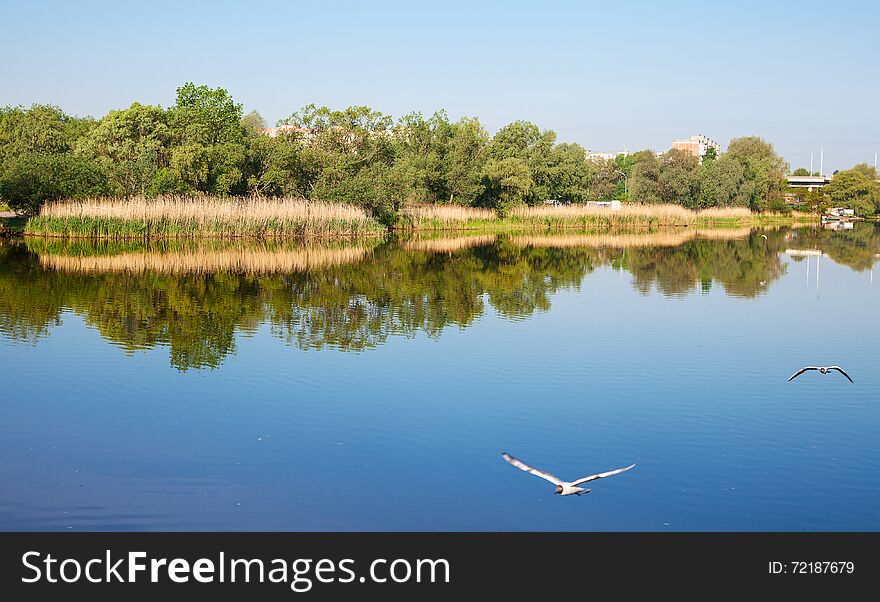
pixel 602 475
pixel 842 371
pixel 801 371
pixel 534 471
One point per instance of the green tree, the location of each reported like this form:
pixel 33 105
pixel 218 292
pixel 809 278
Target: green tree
pixel 253 122
pixel 463 161
pixel 335 146
pixel 856 189
pixel 420 149
pixel 131 145
pixel 711 155
pixel 679 178
pixel 525 142
pixel 644 183
pixel 208 151
pixel 507 183
pixel 569 174
pixel 27 181
pixel 763 168
pixel 39 130
pixel 723 184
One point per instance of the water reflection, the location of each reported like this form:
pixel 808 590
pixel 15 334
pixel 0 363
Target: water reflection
pixel 195 298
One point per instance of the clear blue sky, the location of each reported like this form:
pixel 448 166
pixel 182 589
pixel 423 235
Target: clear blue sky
pixel 801 74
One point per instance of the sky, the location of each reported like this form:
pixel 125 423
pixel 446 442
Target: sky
pixel 607 75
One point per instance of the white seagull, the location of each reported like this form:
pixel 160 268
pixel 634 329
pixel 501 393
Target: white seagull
pixel 822 369
pixel 563 487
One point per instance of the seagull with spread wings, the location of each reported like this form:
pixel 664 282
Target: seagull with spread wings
pixel 822 369
pixel 563 487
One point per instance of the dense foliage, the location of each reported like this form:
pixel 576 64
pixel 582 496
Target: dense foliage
pixel 205 144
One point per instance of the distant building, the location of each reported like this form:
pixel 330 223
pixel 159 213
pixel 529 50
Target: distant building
pixel 697 146
pixel 591 156
pixel 613 205
pixel 308 134
pixel 287 129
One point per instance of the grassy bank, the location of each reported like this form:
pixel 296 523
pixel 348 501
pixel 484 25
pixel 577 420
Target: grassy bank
pixel 269 218
pixel 585 217
pixel 201 217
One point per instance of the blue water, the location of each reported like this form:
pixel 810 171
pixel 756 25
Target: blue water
pixel 101 429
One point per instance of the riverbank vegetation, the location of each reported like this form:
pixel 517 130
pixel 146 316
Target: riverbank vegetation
pixel 550 217
pixel 205 145
pixel 173 217
pixel 354 295
pixel 210 217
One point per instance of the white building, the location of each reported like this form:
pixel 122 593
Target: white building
pixel 592 156
pixel 613 205
pixel 697 146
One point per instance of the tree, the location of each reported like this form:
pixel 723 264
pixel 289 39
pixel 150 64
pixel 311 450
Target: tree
pixel 36 159
pixel 803 171
pixel 711 155
pixel 525 141
pixel 208 152
pixel 569 174
pixel 857 189
pixel 679 178
pixel 763 168
pixel 39 130
pixel 27 181
pixel 604 181
pixel 420 148
pixel 644 184
pixel 723 184
pixel 253 122
pixel 507 183
pixel 131 145
pixel 464 160
pixel 336 145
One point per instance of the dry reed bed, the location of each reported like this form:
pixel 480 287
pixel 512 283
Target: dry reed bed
pixel 576 216
pixel 628 214
pixel 191 217
pixel 437 217
pixel 252 261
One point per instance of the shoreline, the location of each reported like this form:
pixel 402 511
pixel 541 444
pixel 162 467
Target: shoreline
pixel 265 218
pixel 500 227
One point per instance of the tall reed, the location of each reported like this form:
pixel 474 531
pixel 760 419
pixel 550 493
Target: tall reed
pixel 192 217
pixel 576 216
pixel 207 260
pixel 629 214
pixel 445 217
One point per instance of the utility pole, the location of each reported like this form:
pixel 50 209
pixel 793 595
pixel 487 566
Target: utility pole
pixel 811 163
pixel 822 163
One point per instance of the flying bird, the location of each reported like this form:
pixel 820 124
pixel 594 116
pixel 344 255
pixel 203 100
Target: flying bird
pixel 563 487
pixel 822 369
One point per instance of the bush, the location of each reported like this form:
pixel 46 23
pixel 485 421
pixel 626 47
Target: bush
pixel 778 206
pixel 28 181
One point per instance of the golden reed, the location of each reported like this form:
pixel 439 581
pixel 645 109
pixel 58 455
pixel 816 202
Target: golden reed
pixel 252 261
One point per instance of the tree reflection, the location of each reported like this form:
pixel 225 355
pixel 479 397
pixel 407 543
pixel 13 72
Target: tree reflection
pixel 195 300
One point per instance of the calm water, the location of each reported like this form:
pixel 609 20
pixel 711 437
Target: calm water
pixel 374 386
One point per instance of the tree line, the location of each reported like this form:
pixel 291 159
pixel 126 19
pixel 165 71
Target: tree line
pixel 205 144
